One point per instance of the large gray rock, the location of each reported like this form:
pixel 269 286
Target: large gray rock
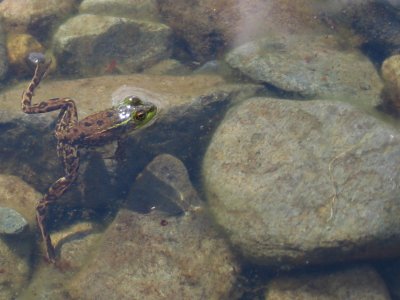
pixel 93 44
pixel 304 182
pixel 136 9
pixel 311 66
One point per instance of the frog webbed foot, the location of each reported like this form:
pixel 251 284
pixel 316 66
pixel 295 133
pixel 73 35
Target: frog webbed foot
pixel 39 61
pixel 36 58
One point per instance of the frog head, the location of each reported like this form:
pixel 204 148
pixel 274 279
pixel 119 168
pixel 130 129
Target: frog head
pixel 135 113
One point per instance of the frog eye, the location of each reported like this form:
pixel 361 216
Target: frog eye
pixel 140 115
pixel 135 100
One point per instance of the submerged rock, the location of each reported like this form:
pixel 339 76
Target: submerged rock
pixel 38 17
pixel 91 44
pixel 18 48
pixel 309 66
pixel 136 9
pixel 11 222
pixel 163 185
pixel 304 182
pixel 148 255
pixel 376 21
pixel 210 27
pixel 145 256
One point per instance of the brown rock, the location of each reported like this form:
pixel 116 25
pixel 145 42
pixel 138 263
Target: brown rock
pixel 155 256
pixel 18 48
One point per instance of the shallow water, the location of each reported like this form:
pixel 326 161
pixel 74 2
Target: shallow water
pixel 197 64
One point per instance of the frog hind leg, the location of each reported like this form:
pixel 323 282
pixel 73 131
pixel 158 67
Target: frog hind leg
pixel 69 154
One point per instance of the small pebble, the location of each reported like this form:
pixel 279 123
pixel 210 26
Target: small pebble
pixel 11 221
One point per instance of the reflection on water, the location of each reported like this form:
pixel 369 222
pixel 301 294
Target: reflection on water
pixel 271 169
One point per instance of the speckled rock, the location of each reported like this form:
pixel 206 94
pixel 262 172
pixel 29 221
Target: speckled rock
pixel 11 222
pixel 89 44
pixel 136 9
pixel 18 48
pixel 145 256
pixel 37 17
pixel 311 66
pixel 390 72
pixel 352 283
pixel 304 182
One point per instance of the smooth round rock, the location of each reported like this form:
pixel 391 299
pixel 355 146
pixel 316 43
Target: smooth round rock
pixel 303 182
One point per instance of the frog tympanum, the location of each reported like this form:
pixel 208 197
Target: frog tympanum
pixel 71 134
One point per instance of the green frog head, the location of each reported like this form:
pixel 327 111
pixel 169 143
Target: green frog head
pixel 134 113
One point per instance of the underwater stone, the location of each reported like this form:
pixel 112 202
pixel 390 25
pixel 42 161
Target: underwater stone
pixel 309 66
pixel 303 182
pixel 91 44
pixel 136 9
pixel 11 221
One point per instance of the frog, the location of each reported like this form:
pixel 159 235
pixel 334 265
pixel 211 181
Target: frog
pixel 72 134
